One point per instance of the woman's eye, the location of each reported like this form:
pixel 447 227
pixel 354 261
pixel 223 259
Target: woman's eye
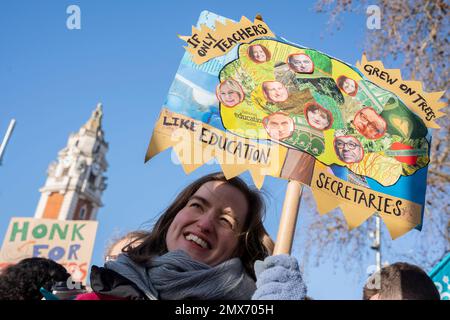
pixel 227 222
pixel 195 205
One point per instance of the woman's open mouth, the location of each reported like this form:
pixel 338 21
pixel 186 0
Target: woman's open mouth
pixel 197 240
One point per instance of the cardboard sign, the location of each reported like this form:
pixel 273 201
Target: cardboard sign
pixel 425 104
pixel 69 243
pixel 277 108
pixel 206 43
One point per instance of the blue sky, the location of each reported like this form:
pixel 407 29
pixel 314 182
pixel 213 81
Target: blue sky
pixel 125 56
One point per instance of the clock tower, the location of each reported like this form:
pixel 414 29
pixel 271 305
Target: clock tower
pixel 75 181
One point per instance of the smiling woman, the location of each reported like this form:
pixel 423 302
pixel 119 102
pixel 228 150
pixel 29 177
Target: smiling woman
pixel 202 247
pixel 230 93
pixel 208 227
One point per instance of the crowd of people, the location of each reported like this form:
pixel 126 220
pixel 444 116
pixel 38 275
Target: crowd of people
pixel 210 243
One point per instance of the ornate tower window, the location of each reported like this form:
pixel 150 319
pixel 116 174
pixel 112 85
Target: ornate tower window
pixel 82 213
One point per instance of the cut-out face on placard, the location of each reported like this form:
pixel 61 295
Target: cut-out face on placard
pixel 275 91
pixel 230 93
pixel 347 85
pixel 369 123
pixel 301 63
pixel 348 149
pixel 318 117
pixel 279 125
pixel 258 53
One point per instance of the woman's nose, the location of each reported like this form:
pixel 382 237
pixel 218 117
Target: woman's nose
pixel 205 222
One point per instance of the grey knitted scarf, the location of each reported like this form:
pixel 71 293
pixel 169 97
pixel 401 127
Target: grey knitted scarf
pixel 176 276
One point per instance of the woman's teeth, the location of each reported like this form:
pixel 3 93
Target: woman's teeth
pixel 197 240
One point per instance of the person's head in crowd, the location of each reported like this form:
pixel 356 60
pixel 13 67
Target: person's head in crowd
pixel 275 91
pixel 133 238
pixel 230 93
pixel 301 63
pixel 348 149
pixel 258 53
pixel 22 281
pixel 400 281
pixel 279 125
pixel 347 85
pixel 318 117
pixel 369 123
pixel 213 220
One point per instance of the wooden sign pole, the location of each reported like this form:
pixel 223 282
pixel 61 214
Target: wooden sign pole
pixel 288 220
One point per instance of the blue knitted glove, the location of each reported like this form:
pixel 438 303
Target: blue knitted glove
pixel 279 278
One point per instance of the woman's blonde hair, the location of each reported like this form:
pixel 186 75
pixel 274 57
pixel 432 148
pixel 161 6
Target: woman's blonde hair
pixel 234 86
pixel 132 237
